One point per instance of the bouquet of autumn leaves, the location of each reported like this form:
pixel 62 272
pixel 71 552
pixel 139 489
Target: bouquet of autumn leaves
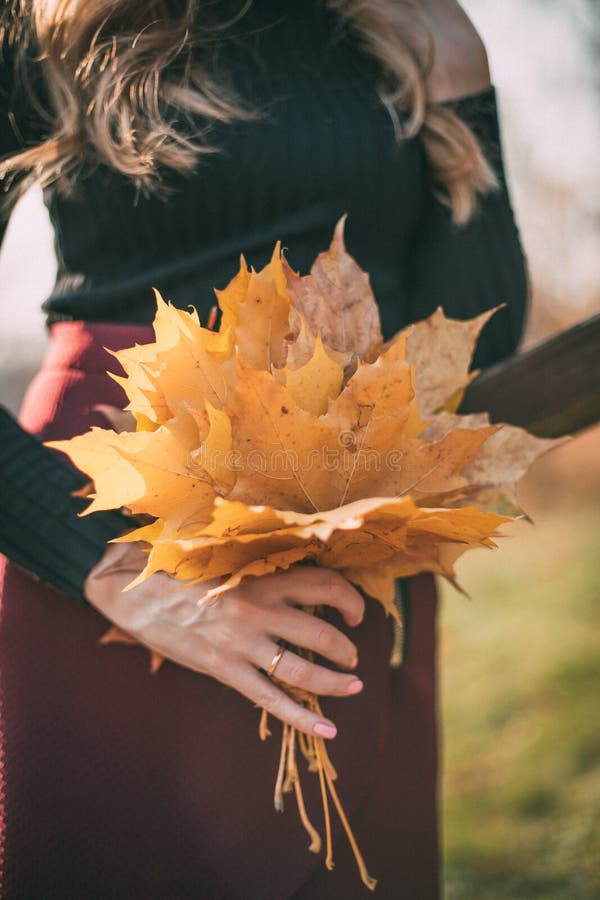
pixel 294 433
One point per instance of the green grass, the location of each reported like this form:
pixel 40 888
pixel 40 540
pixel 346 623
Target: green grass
pixel 520 669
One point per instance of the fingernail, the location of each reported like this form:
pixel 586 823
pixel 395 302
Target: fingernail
pixel 354 662
pixel 355 686
pixel 325 729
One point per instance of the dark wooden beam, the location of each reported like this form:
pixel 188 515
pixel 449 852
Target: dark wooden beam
pixel 551 389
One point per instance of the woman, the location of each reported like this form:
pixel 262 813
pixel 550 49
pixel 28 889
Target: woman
pixel 169 137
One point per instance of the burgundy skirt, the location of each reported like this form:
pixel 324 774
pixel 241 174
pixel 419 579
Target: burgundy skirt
pixel 117 783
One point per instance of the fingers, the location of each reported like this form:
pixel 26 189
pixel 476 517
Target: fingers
pixel 302 673
pixel 314 586
pixel 312 633
pixel 258 688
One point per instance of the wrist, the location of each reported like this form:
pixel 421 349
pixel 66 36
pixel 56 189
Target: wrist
pixel 118 565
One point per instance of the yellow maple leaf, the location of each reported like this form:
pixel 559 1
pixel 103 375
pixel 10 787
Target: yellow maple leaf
pixel 281 450
pixel 315 383
pixel 184 367
pixel 148 472
pixel 256 307
pixel 243 540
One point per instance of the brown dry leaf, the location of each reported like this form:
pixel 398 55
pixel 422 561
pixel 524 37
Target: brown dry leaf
pixel 441 350
pixel 506 456
pixel 337 301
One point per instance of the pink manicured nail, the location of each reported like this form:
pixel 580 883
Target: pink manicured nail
pixel 355 686
pixel 325 729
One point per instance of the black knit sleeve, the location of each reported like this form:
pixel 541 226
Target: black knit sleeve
pixel 467 269
pixel 39 526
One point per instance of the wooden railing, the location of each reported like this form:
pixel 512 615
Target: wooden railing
pixel 552 389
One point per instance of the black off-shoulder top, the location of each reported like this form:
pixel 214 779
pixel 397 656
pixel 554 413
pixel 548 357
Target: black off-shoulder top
pixel 324 145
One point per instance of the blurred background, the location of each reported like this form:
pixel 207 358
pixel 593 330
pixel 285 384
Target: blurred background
pixel 520 661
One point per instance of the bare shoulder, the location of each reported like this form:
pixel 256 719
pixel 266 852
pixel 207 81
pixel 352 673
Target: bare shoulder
pixel 460 62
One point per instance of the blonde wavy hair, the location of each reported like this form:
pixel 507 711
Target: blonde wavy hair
pixel 121 73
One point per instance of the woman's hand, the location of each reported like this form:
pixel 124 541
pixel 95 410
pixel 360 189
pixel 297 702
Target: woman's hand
pixel 235 636
pixel 460 62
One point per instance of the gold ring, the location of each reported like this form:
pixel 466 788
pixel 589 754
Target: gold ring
pixel 276 659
